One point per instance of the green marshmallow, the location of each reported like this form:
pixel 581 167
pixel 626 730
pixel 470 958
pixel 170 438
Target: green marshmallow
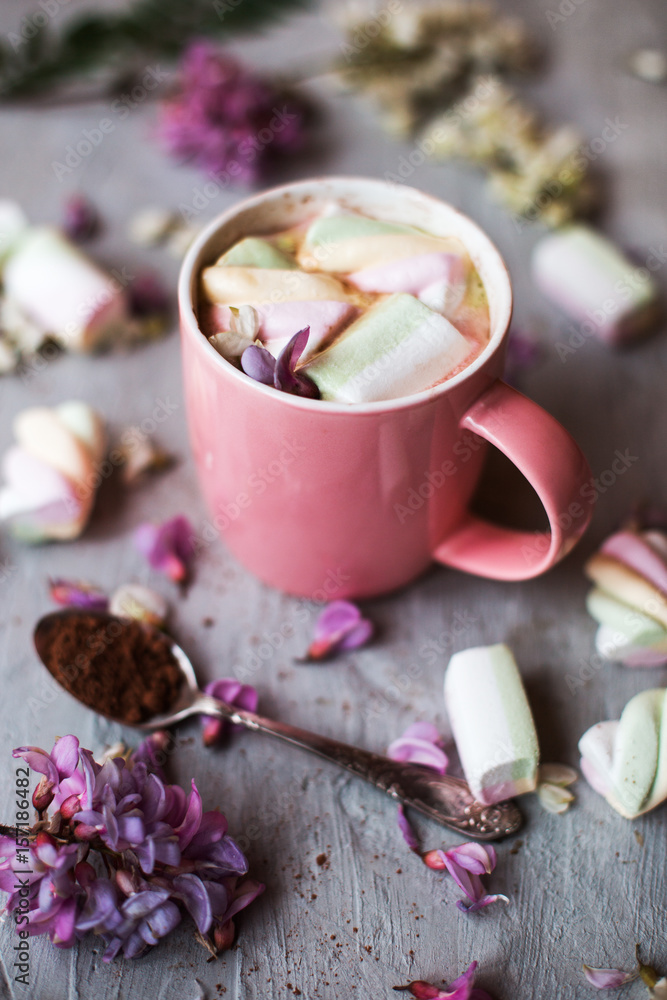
pixel 637 628
pixel 635 762
pixel 399 346
pixel 254 252
pixel 337 228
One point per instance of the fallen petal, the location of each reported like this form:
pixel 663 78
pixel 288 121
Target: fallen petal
pixel 78 593
pixel 557 774
pixel 607 979
pixel 554 798
pixel 132 600
pixel 406 829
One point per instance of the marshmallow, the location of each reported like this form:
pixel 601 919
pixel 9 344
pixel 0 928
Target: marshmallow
pixel 397 347
pixel 278 322
pixel 437 279
pixel 255 252
pixel 62 291
pixel 350 243
pixel 612 644
pixel 50 474
pixel 236 286
pixel 589 278
pixel 626 761
pixel 633 626
pixel 630 598
pixel 491 723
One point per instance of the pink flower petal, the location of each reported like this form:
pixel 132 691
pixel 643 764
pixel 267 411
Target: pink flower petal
pixel 474 857
pixel 78 593
pixel 607 979
pixel 339 626
pixel 420 744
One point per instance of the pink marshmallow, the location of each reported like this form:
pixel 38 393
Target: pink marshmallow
pixel 635 552
pixel 279 321
pixel 411 275
pixel 33 483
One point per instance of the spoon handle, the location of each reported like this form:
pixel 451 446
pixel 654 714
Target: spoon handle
pixel 447 800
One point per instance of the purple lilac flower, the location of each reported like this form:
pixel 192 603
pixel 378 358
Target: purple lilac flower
pixel 466 863
pixel 163 853
pixel 168 546
pixel 281 372
pixel 339 627
pixel 232 692
pixel 226 119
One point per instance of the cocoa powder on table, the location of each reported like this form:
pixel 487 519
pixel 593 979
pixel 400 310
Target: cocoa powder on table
pixel 119 668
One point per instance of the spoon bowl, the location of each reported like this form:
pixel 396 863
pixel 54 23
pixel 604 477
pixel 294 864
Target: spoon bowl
pixel 445 799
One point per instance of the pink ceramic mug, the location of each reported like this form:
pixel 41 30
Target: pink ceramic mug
pixel 321 499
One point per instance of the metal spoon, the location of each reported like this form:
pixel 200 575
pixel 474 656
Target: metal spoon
pixel 447 800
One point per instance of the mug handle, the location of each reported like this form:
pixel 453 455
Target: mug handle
pixel 555 467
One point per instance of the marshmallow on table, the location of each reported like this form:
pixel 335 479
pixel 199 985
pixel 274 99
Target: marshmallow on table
pixel 626 761
pixel 589 278
pixel 629 600
pixel 277 322
pixel 57 287
pixel 50 473
pixel 349 243
pixel 236 286
pixel 255 252
pixel 397 347
pixel 491 723
pixel 437 279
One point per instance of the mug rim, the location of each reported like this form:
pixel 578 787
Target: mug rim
pixel 188 315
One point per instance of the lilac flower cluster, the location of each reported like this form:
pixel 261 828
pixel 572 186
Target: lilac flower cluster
pixel 162 854
pixel 227 119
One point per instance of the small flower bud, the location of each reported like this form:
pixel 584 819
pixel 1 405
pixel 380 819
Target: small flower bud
pixel 42 797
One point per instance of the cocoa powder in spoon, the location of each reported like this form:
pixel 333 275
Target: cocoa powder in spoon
pixel 119 668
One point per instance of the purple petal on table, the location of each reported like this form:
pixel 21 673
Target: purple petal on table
pixel 335 624
pixel 336 620
pixel 409 835
pixel 421 743
pixel 168 547
pixel 461 989
pixel 259 364
pixel 607 979
pixel 231 691
pixel 78 593
pixel 477 858
pixel 80 219
pixel 190 889
pixel 480 903
pixel 147 295
pixel 357 636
